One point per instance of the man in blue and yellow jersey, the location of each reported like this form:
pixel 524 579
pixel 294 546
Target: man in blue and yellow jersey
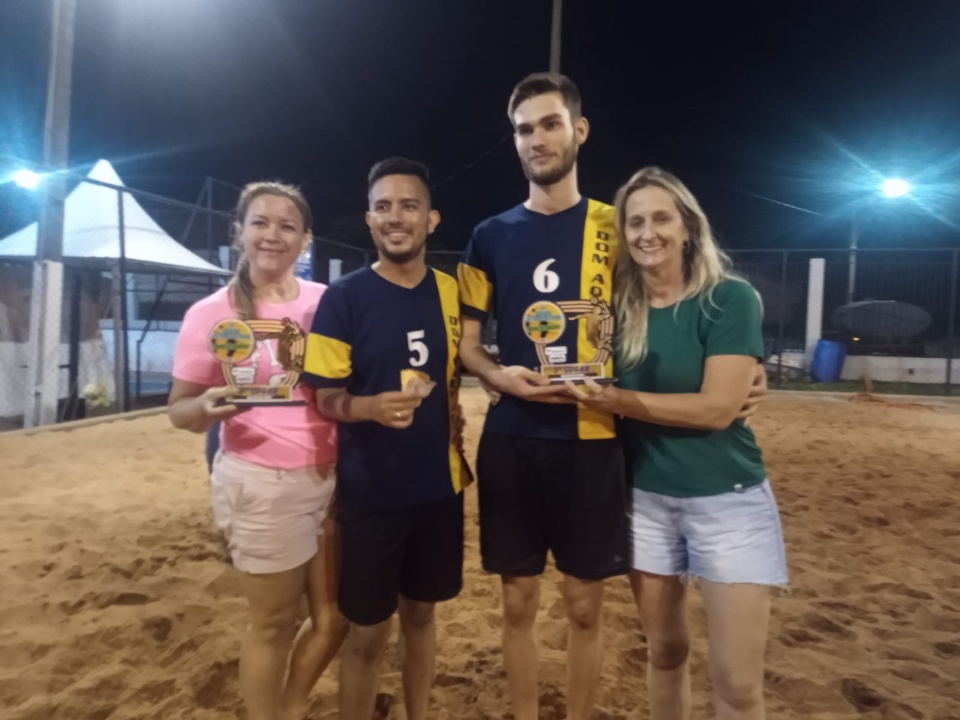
pixel 550 472
pixel 382 354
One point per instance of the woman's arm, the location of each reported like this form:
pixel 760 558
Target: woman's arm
pixel 727 381
pixel 758 391
pixel 726 384
pixel 733 343
pixel 194 407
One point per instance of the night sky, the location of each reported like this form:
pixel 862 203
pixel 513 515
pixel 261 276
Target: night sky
pixel 804 103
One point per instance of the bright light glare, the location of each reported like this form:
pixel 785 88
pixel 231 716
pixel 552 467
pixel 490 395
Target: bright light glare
pixel 26 179
pixel 895 187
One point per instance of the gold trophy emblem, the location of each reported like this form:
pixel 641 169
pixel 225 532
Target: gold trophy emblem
pixel 544 323
pixel 233 341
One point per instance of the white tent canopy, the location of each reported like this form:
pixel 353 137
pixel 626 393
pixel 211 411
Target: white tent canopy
pixel 91 231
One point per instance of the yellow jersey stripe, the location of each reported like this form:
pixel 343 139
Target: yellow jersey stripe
pixel 327 357
pixel 596 276
pixel 450 305
pixel 476 289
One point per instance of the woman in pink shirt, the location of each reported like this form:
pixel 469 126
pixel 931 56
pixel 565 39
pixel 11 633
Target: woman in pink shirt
pixel 273 479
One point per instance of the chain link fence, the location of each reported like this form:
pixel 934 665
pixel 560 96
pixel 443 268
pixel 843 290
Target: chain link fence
pixel 893 310
pixel 133 262
pixel 333 259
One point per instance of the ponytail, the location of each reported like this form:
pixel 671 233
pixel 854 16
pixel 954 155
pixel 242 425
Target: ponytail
pixel 243 290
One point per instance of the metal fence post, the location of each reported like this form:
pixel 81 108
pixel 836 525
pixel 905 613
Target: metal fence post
pixel 782 318
pixel 951 318
pixel 208 185
pixel 72 406
pixel 124 344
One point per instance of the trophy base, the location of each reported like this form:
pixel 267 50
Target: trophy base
pixel 263 396
pixel 576 373
pixel 582 379
pixel 263 402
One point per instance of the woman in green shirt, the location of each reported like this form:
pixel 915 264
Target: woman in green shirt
pixel 689 340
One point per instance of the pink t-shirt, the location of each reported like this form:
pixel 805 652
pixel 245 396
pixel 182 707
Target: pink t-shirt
pixel 279 437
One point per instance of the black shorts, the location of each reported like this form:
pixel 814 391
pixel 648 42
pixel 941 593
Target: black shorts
pixel 566 496
pixel 415 552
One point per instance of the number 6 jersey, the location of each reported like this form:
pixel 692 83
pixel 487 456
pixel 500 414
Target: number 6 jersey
pixel 546 280
pixel 368 330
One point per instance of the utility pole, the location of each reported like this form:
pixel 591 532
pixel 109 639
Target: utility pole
pixel 555 36
pixel 43 370
pixel 852 260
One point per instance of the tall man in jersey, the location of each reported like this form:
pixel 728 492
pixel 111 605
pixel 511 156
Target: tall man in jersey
pixel 550 473
pixel 382 354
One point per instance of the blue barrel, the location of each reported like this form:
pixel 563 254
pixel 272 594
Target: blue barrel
pixel 828 361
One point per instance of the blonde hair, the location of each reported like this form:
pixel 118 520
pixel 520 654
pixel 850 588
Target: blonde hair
pixel 705 265
pixel 242 291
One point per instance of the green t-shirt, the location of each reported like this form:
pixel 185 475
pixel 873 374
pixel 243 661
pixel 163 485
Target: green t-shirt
pixel 681 462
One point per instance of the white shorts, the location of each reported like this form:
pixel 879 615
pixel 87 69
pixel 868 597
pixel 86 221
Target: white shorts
pixel 733 537
pixel 271 518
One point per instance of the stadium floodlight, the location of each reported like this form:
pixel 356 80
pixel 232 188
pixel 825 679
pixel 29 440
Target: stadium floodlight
pixel 895 187
pixel 27 179
pixel 890 188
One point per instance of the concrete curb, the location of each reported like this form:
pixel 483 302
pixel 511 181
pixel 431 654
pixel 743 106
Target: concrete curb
pixel 828 395
pixel 86 422
pixel 932 400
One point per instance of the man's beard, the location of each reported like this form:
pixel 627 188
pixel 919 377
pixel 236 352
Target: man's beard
pixel 402 257
pixel 553 175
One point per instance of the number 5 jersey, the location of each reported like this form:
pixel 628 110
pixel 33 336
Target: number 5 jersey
pixel 366 332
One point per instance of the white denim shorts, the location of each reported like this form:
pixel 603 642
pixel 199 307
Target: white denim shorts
pixel 735 537
pixel 271 518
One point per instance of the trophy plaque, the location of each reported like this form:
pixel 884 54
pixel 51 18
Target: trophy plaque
pixel 544 323
pixel 234 341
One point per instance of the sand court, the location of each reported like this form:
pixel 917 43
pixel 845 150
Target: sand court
pixel 116 600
